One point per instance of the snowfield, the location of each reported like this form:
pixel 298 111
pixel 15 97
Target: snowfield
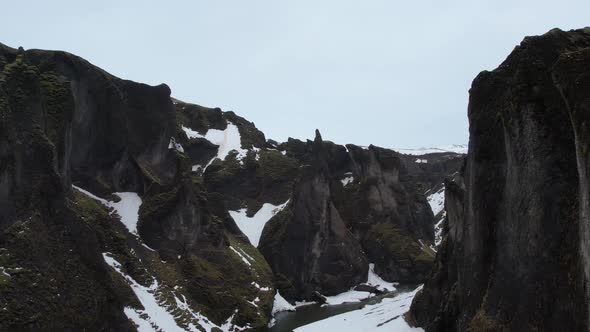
pixel 455 148
pixel 384 316
pixel 252 226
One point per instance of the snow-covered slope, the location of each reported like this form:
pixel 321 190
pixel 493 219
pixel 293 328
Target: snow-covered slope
pixel 252 226
pixel 384 316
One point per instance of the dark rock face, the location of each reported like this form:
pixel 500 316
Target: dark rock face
pixel 431 172
pixel 179 222
pixel 308 245
pixel 64 121
pixel 43 239
pixel 389 217
pixel 390 222
pixel 514 253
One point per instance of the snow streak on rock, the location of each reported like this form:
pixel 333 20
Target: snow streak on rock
pixel 155 316
pixel 437 204
pixel 241 255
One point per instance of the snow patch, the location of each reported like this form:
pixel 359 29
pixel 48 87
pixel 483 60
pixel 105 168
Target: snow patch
pixel 175 146
pixel 375 280
pixel 352 295
pixel 384 316
pixel 264 289
pixel 347 179
pixel 280 304
pixel 127 208
pixel 348 297
pixel 421 161
pixel 228 140
pixel 252 227
pixel 253 303
pixel 437 201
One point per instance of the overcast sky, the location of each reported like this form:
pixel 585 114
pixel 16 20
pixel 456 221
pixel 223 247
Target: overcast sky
pixel 391 73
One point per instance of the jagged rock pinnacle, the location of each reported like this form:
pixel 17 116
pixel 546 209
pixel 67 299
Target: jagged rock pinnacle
pixel 318 136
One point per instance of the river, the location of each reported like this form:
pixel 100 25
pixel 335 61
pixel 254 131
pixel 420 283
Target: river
pixel 287 321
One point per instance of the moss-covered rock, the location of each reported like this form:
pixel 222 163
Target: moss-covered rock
pixel 397 253
pixel 266 176
pixel 308 244
pixel 228 282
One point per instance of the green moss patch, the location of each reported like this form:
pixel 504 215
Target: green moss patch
pixel 395 244
pixel 220 282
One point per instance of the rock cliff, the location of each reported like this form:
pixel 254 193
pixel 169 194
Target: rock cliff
pixel 514 253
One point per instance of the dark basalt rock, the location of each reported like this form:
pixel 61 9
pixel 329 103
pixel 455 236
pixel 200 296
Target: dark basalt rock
pixel 429 175
pixel 54 276
pixel 388 217
pixel 178 222
pixel 308 244
pixel 64 121
pixel 368 289
pixel 384 207
pixel 514 256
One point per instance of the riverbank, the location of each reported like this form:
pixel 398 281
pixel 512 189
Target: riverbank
pixel 385 309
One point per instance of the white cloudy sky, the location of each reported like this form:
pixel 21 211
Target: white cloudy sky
pixel 386 72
